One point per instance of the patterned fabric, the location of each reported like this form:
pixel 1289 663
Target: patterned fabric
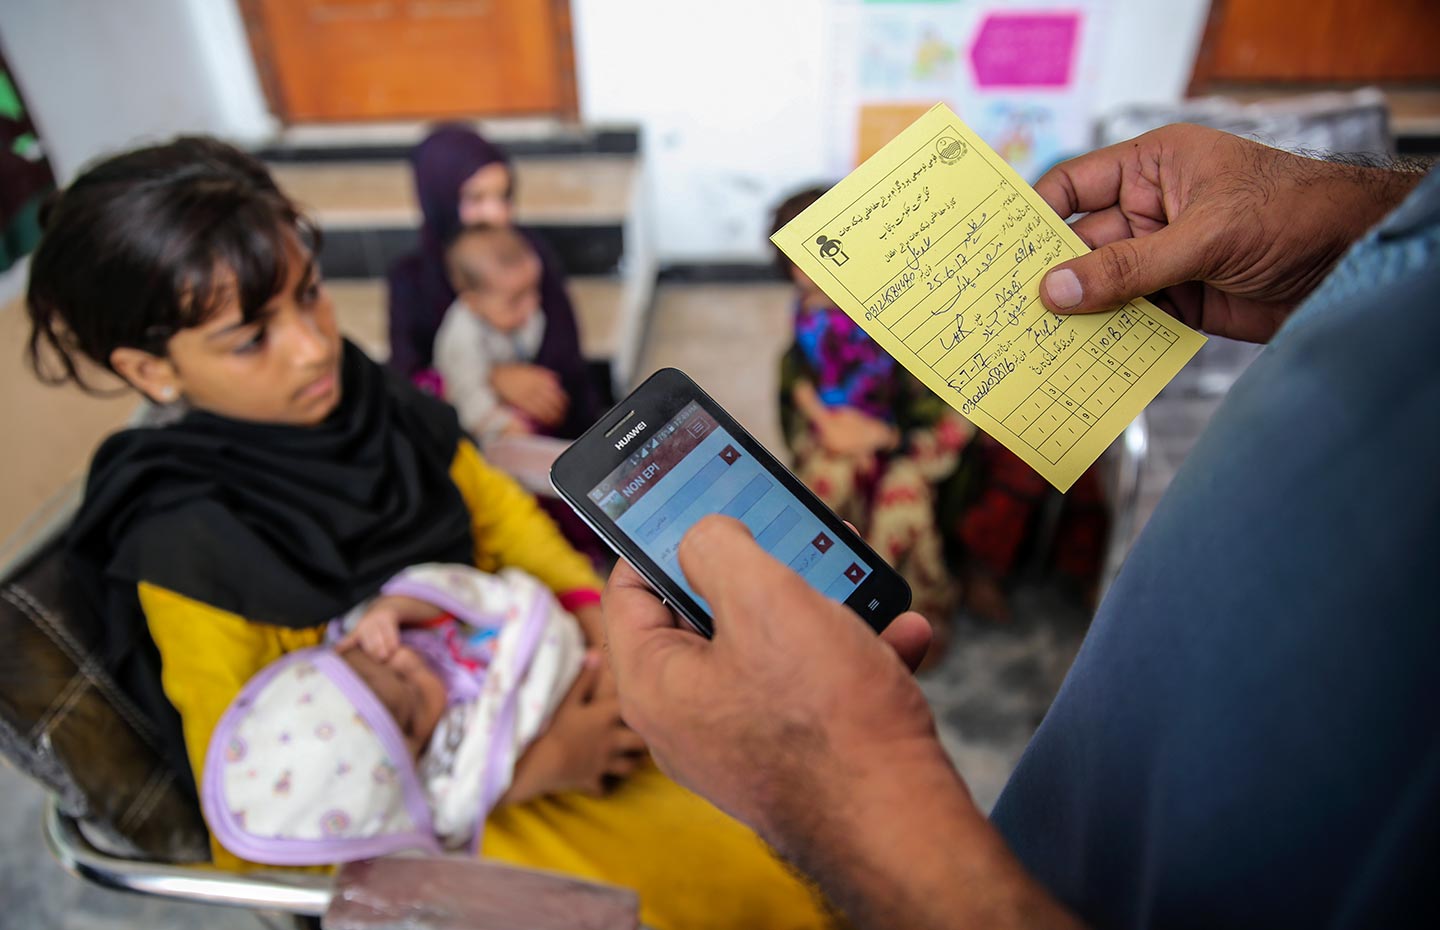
pixel 308 767
pixel 25 176
pixel 997 525
pixel 67 723
pixel 536 657
pixel 848 369
pixel 891 499
pixel 894 508
pixel 467 350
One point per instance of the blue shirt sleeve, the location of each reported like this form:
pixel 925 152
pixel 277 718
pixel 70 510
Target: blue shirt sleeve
pixel 1250 735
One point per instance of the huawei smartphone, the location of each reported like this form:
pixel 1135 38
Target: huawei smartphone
pixel 666 456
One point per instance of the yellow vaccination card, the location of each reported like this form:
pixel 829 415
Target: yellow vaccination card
pixel 936 248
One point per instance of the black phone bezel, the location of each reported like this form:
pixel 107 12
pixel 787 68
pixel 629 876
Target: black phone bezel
pixel 659 398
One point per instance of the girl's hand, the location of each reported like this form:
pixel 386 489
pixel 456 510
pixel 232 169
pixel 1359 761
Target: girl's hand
pixel 378 631
pixel 846 431
pixel 533 390
pixel 585 743
pixel 592 625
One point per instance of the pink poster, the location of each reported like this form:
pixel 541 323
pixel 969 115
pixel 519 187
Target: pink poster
pixel 1026 50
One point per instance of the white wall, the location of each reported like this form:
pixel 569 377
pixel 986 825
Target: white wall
pixel 731 98
pixel 1149 51
pixel 730 94
pixel 100 76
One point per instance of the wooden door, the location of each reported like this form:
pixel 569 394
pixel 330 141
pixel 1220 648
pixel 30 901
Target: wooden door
pixel 1318 41
pixel 330 60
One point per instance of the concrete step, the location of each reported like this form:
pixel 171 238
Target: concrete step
pixel 581 190
pixel 369 215
pixel 599 303
pixel 393 140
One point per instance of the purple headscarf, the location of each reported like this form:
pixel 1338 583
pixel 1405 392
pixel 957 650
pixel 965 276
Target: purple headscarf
pixel 420 291
pixel 445 160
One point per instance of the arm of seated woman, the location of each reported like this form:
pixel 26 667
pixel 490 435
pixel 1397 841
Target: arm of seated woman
pixel 534 390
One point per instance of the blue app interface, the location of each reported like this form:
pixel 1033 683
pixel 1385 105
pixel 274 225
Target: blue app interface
pixel 690 467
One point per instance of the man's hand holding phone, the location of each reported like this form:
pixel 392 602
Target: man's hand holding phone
pixel 668 455
pixel 798 720
pixel 747 718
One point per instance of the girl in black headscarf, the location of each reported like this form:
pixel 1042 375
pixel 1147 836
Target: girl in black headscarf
pixel 301 477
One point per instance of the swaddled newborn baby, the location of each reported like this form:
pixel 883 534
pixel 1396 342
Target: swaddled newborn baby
pixel 395 737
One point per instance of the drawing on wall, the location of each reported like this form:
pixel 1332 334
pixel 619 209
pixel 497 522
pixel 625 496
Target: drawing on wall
pixel 1016 70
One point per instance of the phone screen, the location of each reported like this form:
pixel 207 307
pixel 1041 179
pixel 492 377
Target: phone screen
pixel 691 467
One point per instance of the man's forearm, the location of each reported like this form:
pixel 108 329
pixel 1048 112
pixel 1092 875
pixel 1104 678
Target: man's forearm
pixel 906 847
pixel 1350 199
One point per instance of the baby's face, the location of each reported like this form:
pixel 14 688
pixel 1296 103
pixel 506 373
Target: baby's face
pixel 511 295
pixel 408 688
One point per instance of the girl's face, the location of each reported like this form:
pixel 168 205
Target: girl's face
pixel 283 367
pixel 485 197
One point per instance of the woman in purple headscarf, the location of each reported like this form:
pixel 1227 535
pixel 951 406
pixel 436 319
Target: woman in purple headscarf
pixel 462 180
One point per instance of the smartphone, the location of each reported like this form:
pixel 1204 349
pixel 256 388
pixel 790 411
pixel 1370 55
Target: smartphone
pixel 666 456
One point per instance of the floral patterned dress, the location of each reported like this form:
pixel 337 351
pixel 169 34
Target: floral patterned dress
pixel 892 498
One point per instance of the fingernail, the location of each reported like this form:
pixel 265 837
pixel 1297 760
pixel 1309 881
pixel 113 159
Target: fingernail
pixel 1063 288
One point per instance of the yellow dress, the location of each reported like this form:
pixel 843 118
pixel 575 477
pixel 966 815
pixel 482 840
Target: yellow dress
pixel 692 866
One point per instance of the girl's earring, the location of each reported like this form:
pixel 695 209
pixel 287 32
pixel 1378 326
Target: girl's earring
pixel 167 394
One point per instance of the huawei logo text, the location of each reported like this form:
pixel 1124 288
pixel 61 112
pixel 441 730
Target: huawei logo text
pixel 635 430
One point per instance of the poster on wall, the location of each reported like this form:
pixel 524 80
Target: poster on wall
pixel 1017 71
pixel 25 176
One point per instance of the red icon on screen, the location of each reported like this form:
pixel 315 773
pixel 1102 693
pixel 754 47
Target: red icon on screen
pixel 729 455
pixel 854 573
pixel 822 542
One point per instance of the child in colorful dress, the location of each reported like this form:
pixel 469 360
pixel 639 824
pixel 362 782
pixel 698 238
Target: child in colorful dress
pixel 868 438
pixel 299 480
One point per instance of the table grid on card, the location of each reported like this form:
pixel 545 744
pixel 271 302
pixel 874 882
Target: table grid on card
pixel 1080 391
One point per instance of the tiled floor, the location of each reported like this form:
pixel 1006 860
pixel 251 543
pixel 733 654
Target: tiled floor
pixel 988 694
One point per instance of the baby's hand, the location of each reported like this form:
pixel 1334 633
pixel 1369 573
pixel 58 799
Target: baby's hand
pixel 378 631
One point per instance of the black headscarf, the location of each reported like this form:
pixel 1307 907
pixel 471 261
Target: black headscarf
pixel 282 525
